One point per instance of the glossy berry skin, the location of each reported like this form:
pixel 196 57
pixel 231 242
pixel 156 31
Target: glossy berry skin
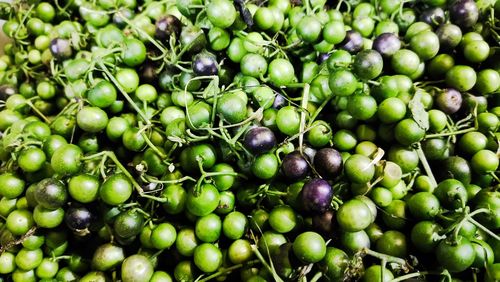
pixel 387 44
pixel 433 16
pixel 78 218
pixel 168 26
pixel 6 91
pixel 205 64
pixel 323 57
pixel 317 195
pixel 464 13
pixel 324 222
pixel 294 166
pixel 60 48
pixel 328 163
pixel 353 42
pixel 51 193
pixel 279 102
pixel 259 140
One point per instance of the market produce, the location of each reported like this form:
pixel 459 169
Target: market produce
pixel 193 140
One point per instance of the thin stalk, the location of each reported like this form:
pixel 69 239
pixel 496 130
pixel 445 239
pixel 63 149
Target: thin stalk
pixel 303 105
pixel 408 276
pixel 228 270
pixel 38 112
pixel 318 111
pixel 21 239
pixel 383 270
pixel 458 228
pixel 61 258
pixel 153 147
pixel 145 34
pixel 385 257
pixel 308 7
pixel 256 115
pixel 124 93
pixel 95 156
pixel 240 132
pixel 426 165
pixel 266 265
pixel 452 133
pixel 124 170
pixel 176 181
pixel 482 227
pixel 317 276
pixel 101 167
pixel 492 174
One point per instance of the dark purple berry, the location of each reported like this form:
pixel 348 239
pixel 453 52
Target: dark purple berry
pixel 148 72
pixel 464 13
pixel 294 166
pixel 323 57
pixel 205 64
pixel 317 195
pixel 324 222
pixel 168 26
pixel 279 102
pixel 122 13
pixel 353 42
pixel 259 140
pixel 328 162
pixel 78 218
pixel 433 16
pixel 6 91
pixel 60 48
pixel 387 44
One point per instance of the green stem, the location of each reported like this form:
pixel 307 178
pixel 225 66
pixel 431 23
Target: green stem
pixel 124 93
pixel 308 7
pixel 482 227
pixel 21 23
pixel 62 258
pixel 492 174
pixel 102 169
pixel 240 132
pixel 223 173
pixel 94 156
pixel 143 33
pixel 230 269
pixel 318 111
pixel 266 265
pixel 383 264
pixel 303 105
pixel 195 138
pixel 38 112
pixel 176 181
pixel 457 228
pixel 385 257
pixel 408 276
pixel 124 170
pixel 453 133
pixel 154 198
pixel 317 276
pixel 153 147
pixel 478 211
pixel 426 165
pixel 296 85
pixel 141 211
